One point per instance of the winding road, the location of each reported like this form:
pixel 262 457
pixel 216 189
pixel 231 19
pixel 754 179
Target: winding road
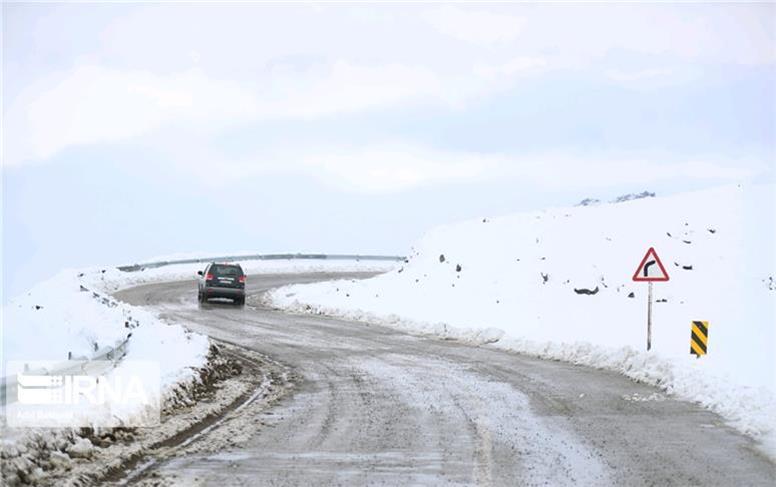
pixel 375 406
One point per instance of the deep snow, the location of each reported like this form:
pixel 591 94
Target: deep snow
pixel 72 314
pixel 511 281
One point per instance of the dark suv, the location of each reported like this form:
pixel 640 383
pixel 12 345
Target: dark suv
pixel 222 281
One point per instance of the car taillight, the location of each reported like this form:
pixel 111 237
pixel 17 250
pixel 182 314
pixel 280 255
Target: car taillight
pixel 209 277
pixel 242 279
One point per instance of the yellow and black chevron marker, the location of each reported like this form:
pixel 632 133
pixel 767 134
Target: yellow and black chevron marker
pixel 699 337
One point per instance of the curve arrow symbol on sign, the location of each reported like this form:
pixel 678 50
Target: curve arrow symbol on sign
pixel 646 267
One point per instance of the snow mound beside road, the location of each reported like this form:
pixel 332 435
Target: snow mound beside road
pixel 72 315
pixel 557 284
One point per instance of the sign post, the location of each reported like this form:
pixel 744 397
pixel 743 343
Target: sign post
pixel 649 272
pixel 649 317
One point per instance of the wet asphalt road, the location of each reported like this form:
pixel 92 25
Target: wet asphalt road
pixel 375 406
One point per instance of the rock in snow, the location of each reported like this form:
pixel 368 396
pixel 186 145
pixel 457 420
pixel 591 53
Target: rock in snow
pixel 586 291
pixel 82 448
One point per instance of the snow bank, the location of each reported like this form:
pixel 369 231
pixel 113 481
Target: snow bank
pixel 557 284
pixel 72 314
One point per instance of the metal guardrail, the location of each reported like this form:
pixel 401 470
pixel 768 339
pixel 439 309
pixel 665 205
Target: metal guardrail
pixel 114 353
pixel 202 260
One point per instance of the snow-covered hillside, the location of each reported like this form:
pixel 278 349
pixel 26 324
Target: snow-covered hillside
pixel 557 283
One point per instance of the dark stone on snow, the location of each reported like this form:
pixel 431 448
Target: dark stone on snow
pixel 771 283
pixel 588 202
pixel 586 291
pixel 633 196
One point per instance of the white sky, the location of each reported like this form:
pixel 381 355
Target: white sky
pixel 367 103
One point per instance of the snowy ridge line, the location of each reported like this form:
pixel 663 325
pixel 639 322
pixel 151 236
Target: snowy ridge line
pixel 153 265
pixel 113 354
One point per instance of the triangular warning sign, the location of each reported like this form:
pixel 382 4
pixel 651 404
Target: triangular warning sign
pixel 650 269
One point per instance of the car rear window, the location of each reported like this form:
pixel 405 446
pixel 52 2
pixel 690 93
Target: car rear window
pixel 226 270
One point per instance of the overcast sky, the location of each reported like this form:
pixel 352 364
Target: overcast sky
pixel 133 130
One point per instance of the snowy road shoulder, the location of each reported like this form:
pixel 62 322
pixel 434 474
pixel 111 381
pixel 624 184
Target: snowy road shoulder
pixel 232 378
pixel 750 410
pixel 516 283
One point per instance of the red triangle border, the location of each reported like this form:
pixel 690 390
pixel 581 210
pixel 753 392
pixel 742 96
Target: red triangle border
pixel 636 277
